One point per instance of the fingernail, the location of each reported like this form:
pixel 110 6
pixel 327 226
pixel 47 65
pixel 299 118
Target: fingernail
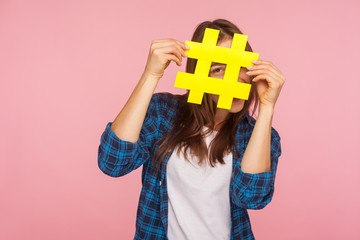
pixel 248 72
pixel 254 61
pixel 187 47
pixel 249 67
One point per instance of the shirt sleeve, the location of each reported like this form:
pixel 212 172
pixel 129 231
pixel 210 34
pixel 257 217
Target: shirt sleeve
pixel 117 157
pixel 255 191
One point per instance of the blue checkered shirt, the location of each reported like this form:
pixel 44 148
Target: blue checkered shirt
pixel 117 158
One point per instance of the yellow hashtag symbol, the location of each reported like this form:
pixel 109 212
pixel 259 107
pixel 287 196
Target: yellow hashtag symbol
pixel 207 52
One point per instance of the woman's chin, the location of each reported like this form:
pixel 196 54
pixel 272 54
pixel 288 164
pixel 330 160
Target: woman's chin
pixel 237 105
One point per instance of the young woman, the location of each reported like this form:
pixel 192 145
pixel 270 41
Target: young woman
pixel 203 166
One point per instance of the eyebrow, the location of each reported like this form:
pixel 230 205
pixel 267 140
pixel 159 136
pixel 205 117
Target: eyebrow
pixel 217 64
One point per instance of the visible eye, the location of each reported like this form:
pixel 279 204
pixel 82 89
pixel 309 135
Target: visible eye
pixel 216 70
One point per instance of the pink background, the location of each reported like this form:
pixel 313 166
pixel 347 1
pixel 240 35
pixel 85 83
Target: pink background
pixel 68 67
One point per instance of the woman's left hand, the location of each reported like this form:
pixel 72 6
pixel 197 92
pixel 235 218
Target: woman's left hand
pixel 269 81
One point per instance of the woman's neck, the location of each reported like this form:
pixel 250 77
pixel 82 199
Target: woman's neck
pixel 221 116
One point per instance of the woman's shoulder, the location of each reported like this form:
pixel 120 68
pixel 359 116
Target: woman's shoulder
pixel 166 99
pixel 166 103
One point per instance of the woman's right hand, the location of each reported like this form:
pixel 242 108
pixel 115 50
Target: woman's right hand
pixel 161 53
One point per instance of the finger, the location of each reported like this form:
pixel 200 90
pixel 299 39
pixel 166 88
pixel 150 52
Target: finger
pixel 258 61
pixel 175 48
pixel 170 42
pixel 272 83
pixel 183 48
pixel 171 49
pixel 271 65
pixel 183 45
pixel 261 77
pixel 173 58
pixel 262 71
pixel 268 67
pixel 168 53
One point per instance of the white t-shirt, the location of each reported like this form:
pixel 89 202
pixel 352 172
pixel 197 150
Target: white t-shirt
pixel 198 205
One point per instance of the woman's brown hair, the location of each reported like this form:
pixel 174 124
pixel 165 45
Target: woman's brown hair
pixel 187 129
